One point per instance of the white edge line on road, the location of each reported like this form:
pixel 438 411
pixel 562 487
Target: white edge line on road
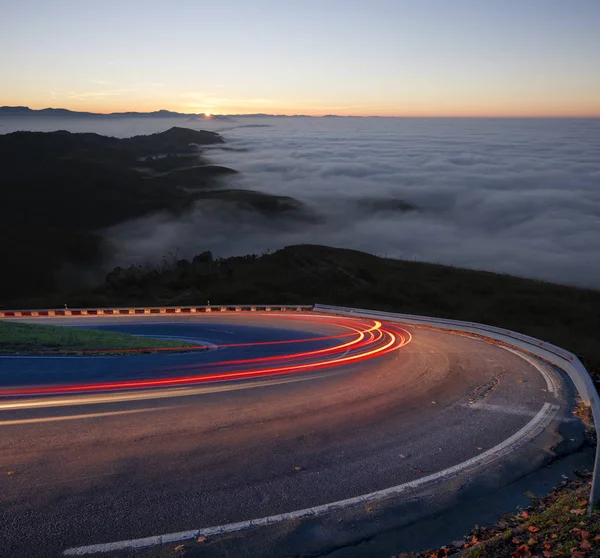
pixel 550 382
pixel 520 438
pixel 507 410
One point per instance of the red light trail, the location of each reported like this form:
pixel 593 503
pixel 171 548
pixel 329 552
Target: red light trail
pixel 362 340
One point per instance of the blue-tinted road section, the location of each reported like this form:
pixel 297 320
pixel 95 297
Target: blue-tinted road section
pixel 35 371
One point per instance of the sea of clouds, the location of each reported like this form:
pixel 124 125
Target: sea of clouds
pixel 514 196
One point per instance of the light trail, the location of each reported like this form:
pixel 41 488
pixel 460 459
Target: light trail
pixel 204 347
pixel 366 339
pixel 40 420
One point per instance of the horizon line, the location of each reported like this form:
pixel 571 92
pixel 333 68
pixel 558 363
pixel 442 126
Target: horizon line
pixel 303 115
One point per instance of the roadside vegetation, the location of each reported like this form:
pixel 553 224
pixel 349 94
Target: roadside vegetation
pixel 24 338
pixel 555 525
pixel 566 316
pixel 61 190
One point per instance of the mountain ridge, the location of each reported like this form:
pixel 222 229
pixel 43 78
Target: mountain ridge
pixel 18 110
pixel 7 110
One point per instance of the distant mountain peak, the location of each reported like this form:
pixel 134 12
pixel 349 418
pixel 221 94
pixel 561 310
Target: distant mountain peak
pixel 161 113
pixel 26 111
pixel 184 133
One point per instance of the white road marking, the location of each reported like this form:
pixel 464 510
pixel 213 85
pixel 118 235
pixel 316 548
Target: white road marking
pixel 78 417
pixel 548 376
pixel 505 409
pixel 520 438
pixel 508 410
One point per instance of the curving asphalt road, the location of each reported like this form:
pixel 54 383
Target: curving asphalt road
pixel 282 413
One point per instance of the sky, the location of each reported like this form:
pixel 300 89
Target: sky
pixel 510 58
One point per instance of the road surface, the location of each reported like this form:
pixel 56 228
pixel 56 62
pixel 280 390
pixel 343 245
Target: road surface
pixel 283 412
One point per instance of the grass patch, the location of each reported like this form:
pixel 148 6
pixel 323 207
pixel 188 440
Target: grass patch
pixel 25 338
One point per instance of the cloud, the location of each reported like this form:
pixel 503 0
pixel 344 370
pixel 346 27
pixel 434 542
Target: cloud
pixel 194 99
pixel 514 196
pixel 111 89
pixel 83 95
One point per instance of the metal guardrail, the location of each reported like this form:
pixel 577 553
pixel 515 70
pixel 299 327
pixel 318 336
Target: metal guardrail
pixel 559 357
pixel 556 355
pixel 142 310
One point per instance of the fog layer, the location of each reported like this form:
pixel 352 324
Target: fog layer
pixel 514 196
